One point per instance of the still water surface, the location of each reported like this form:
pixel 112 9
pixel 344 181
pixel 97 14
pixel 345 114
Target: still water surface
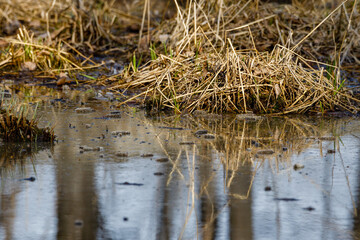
pixel 240 185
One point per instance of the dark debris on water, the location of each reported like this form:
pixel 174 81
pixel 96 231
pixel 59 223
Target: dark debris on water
pixel 130 184
pixel 30 179
pixel 287 199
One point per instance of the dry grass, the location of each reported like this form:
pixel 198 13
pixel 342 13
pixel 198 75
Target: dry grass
pixel 237 81
pixel 19 124
pixel 27 54
pixel 80 23
pixel 63 35
pixel 254 24
pixel 213 60
pixel 217 55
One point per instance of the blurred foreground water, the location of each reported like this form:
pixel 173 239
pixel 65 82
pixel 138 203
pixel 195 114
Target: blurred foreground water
pixel 269 178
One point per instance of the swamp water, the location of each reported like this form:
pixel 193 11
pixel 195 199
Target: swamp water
pixel 162 178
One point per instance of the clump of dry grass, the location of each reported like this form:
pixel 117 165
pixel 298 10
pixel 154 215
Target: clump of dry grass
pixel 27 54
pixel 80 23
pixel 276 82
pixel 17 126
pixel 207 69
pixel 62 35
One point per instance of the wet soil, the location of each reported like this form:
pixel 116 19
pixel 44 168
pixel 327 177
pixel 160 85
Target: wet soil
pixel 164 179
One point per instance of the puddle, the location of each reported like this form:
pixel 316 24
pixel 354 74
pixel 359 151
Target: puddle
pixel 171 177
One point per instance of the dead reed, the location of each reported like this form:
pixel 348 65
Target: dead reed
pixel 15 155
pixel 61 35
pixel 275 82
pixel 212 61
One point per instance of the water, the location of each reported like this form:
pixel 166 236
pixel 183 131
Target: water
pixel 222 188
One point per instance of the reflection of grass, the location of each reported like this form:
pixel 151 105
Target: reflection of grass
pixel 240 142
pixel 14 155
pixel 221 173
pixel 241 146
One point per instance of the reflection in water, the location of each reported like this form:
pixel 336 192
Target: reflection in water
pixel 13 156
pixel 241 184
pixel 76 196
pixel 26 208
